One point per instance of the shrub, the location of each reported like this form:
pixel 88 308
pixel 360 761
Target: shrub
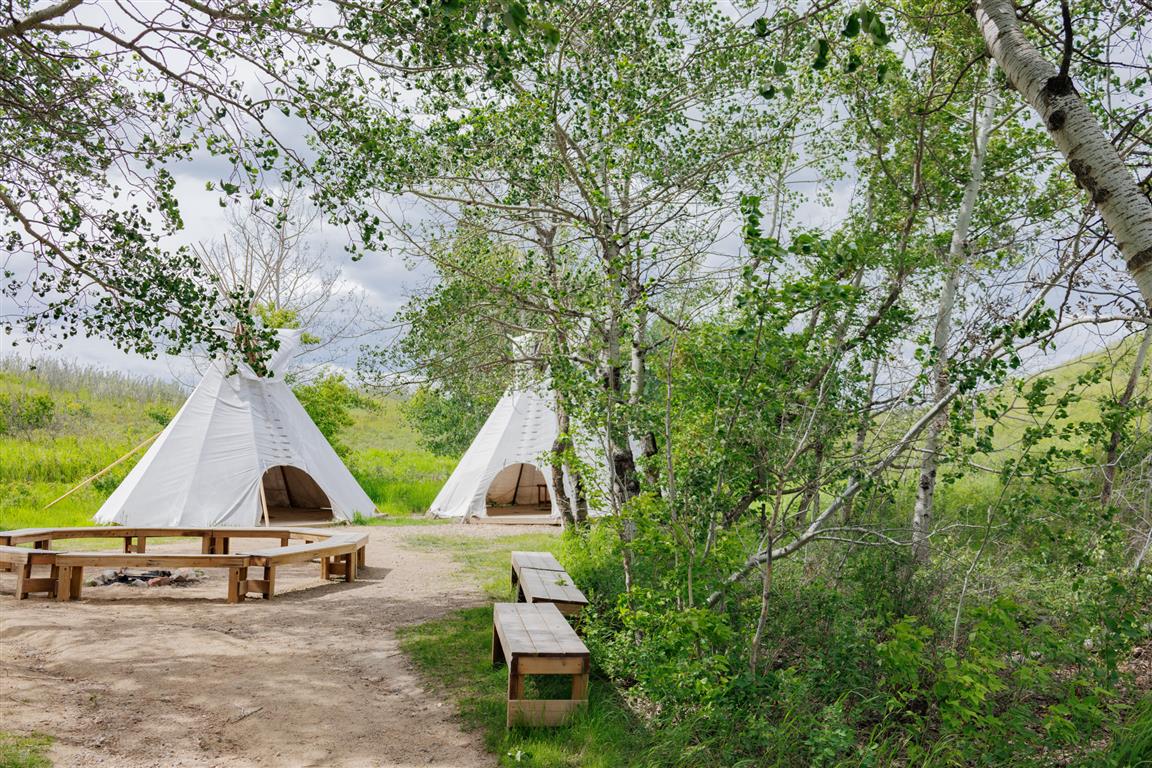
pixel 23 413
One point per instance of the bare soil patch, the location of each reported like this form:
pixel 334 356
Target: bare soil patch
pixel 174 676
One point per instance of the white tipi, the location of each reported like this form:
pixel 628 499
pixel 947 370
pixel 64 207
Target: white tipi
pixel 501 473
pixel 240 447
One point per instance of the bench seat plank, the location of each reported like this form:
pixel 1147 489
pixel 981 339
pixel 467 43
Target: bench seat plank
pixel 144 560
pixel 551 587
pixel 528 629
pixel 541 561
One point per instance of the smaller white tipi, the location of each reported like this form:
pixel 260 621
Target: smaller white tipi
pixel 240 446
pixel 501 473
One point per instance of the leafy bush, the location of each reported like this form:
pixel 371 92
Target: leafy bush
pixel 329 402
pixel 23 413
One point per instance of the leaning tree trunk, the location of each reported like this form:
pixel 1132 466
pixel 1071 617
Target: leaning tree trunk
pixel 1113 454
pixel 1126 209
pixel 926 489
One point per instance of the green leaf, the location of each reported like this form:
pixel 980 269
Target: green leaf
pixel 852 25
pixel 823 49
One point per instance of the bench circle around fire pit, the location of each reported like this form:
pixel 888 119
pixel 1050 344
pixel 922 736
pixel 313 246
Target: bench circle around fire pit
pixel 340 554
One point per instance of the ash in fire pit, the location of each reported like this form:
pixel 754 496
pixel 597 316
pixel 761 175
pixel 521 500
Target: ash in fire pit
pixel 137 578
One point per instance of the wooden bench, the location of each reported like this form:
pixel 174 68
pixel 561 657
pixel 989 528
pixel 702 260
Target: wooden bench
pixel 539 578
pixel 541 561
pixel 535 639
pixel 339 555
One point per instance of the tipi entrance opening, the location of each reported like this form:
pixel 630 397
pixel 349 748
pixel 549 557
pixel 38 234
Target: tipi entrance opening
pixel 293 497
pixel 519 489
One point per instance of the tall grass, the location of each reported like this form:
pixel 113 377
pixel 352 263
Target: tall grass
pixel 400 482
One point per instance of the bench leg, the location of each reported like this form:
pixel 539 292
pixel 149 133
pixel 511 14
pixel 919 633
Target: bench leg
pixel 77 582
pixel 127 545
pixel 23 574
pixel 270 577
pixel 141 542
pixel 350 567
pixel 236 578
pixel 580 687
pixel 497 649
pixel 515 693
pixel 362 557
pixel 206 543
pixel 63 576
pixel 325 568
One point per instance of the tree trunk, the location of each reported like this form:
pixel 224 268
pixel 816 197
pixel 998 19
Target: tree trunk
pixel 861 440
pixel 1113 454
pixel 1093 160
pixel 560 448
pixel 957 251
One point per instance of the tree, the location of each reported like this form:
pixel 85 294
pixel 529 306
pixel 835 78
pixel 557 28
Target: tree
pixel 942 332
pixel 266 256
pixel 608 159
pixel 328 401
pixel 102 101
pixel 1091 156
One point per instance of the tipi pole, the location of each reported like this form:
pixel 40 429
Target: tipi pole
pixel 102 472
pixel 516 490
pixel 263 502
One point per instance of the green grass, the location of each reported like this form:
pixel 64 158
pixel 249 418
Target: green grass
pixel 455 651
pixel 486 561
pixel 18 751
pixel 400 482
pixel 403 520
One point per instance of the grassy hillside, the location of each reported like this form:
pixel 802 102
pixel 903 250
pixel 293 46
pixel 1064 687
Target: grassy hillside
pixel 60 424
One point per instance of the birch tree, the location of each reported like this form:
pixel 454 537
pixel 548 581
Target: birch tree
pixel 1090 154
pixel 942 332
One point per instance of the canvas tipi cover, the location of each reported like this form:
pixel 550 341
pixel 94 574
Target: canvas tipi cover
pixel 503 464
pixel 206 467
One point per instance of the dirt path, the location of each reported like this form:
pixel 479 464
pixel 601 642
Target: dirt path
pixel 174 676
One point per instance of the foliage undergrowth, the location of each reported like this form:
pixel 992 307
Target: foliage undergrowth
pixel 24 751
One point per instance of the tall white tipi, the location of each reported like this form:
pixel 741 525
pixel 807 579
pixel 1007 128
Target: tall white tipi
pixel 240 446
pixel 502 473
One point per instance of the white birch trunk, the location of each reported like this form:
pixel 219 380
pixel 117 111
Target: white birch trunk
pixel 1126 210
pixel 957 253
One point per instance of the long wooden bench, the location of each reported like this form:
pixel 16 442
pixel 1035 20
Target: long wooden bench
pixel 535 639
pixel 538 577
pixel 339 555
